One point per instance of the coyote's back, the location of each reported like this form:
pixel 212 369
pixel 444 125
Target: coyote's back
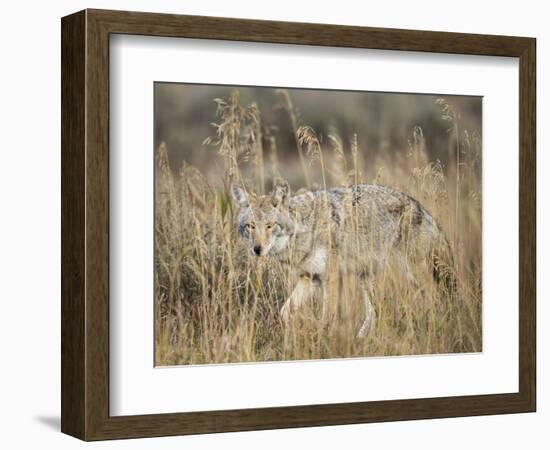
pixel 368 223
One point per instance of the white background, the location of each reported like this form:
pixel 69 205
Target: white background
pixel 30 234
pixel 136 387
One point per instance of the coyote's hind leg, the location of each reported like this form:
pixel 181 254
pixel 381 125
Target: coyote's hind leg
pixel 370 316
pixel 407 271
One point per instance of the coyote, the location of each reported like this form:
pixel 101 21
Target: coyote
pixel 360 225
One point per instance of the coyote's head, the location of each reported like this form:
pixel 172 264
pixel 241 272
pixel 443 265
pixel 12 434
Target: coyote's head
pixel 264 221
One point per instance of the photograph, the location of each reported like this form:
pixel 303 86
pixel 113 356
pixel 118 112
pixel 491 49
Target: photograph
pixel 306 224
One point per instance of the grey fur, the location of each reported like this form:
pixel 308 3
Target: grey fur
pixel 362 225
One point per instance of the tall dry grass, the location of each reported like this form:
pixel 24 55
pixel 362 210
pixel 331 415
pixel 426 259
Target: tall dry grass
pixel 215 303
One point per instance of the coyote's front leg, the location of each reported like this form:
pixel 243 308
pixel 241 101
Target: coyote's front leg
pixel 302 292
pixel 312 271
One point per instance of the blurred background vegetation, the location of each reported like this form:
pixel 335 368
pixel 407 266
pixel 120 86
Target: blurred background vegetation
pixel 383 122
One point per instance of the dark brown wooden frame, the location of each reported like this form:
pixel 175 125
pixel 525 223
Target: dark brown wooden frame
pixel 85 224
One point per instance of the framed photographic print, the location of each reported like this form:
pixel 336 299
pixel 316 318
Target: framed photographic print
pixel 270 225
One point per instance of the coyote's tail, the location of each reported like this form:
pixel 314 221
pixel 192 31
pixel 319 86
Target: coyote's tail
pixel 444 270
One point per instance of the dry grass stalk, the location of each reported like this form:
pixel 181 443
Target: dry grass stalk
pixel 289 107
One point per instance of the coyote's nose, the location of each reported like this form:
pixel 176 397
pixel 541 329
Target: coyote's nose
pixel 257 249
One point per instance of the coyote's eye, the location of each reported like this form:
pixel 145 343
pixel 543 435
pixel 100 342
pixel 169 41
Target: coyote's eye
pixel 269 226
pixel 249 226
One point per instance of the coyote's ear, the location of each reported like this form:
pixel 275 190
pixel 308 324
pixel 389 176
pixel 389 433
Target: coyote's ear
pixel 240 197
pixel 280 194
